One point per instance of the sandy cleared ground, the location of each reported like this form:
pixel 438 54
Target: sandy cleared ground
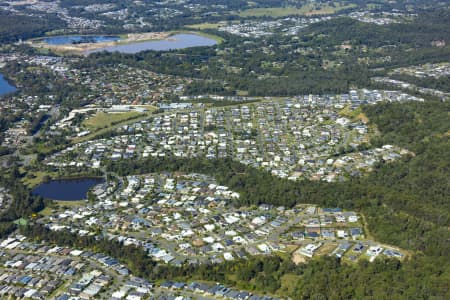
pixel 81 48
pixel 297 258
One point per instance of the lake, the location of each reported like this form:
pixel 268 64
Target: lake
pixel 79 39
pixel 174 42
pixel 5 87
pixel 66 189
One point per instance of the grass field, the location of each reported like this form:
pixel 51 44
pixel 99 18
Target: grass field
pixel 48 210
pixel 242 93
pixel 306 10
pixel 356 114
pixel 102 120
pixel 104 123
pixel 201 26
pixel 326 249
pixel 34 178
pixel 218 39
pixel 288 284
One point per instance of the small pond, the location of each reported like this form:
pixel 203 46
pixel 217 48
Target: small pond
pixel 66 189
pixel 5 87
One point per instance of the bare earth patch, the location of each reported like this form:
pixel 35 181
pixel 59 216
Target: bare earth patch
pixel 81 48
pixel 297 258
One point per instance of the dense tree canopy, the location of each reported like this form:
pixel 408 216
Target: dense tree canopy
pixel 16 27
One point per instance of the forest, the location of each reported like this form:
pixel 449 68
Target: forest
pixel 19 27
pixel 24 203
pixel 420 32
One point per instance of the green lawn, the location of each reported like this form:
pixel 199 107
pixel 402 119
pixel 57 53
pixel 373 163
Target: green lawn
pixel 48 210
pixel 101 120
pixel 288 284
pixel 201 26
pixel 356 114
pixel 101 123
pixel 218 39
pixel 307 10
pixel 70 203
pixel 35 178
